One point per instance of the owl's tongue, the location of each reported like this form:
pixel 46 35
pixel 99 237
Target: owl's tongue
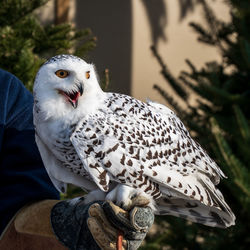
pixel 73 98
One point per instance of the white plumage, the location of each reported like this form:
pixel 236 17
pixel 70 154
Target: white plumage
pixel 116 146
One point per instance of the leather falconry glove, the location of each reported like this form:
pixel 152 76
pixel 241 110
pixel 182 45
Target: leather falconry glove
pixel 53 224
pixel 97 225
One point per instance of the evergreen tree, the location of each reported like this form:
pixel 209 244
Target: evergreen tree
pixel 25 43
pixel 220 122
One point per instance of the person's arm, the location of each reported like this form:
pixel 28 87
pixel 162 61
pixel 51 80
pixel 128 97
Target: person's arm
pixel 30 229
pixel 23 179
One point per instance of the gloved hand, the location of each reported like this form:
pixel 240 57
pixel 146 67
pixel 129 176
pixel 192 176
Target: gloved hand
pixel 98 224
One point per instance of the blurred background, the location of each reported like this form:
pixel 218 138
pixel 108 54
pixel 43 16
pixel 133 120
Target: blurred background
pixel 191 55
pixel 125 30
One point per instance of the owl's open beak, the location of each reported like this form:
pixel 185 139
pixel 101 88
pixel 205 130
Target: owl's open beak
pixel 73 99
pixel 73 96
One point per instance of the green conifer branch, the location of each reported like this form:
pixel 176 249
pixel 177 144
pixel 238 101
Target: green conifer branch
pixel 242 123
pixel 239 170
pixel 25 43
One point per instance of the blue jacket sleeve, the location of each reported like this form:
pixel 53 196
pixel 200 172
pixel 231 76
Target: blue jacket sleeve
pixel 23 178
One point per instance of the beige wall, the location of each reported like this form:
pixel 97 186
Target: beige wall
pixel 181 43
pixel 126 29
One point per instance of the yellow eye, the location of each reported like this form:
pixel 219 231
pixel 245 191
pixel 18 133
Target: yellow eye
pixel 87 74
pixel 62 73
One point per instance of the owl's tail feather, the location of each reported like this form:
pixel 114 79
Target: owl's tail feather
pixel 214 216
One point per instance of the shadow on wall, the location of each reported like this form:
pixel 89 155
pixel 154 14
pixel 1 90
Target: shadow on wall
pixel 156 11
pixel 111 22
pixel 187 6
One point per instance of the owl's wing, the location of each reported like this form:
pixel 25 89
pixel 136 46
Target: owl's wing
pixel 201 161
pixel 202 201
pixel 142 145
pixel 86 146
pixel 149 149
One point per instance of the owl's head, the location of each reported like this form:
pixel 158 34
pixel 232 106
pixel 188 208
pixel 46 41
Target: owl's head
pixel 66 84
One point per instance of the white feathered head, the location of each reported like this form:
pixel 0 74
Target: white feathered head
pixel 66 85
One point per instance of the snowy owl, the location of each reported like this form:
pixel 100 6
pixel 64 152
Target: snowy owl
pixel 116 147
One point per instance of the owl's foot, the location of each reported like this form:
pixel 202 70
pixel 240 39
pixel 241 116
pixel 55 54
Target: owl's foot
pixel 123 196
pixel 95 195
pixel 127 197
